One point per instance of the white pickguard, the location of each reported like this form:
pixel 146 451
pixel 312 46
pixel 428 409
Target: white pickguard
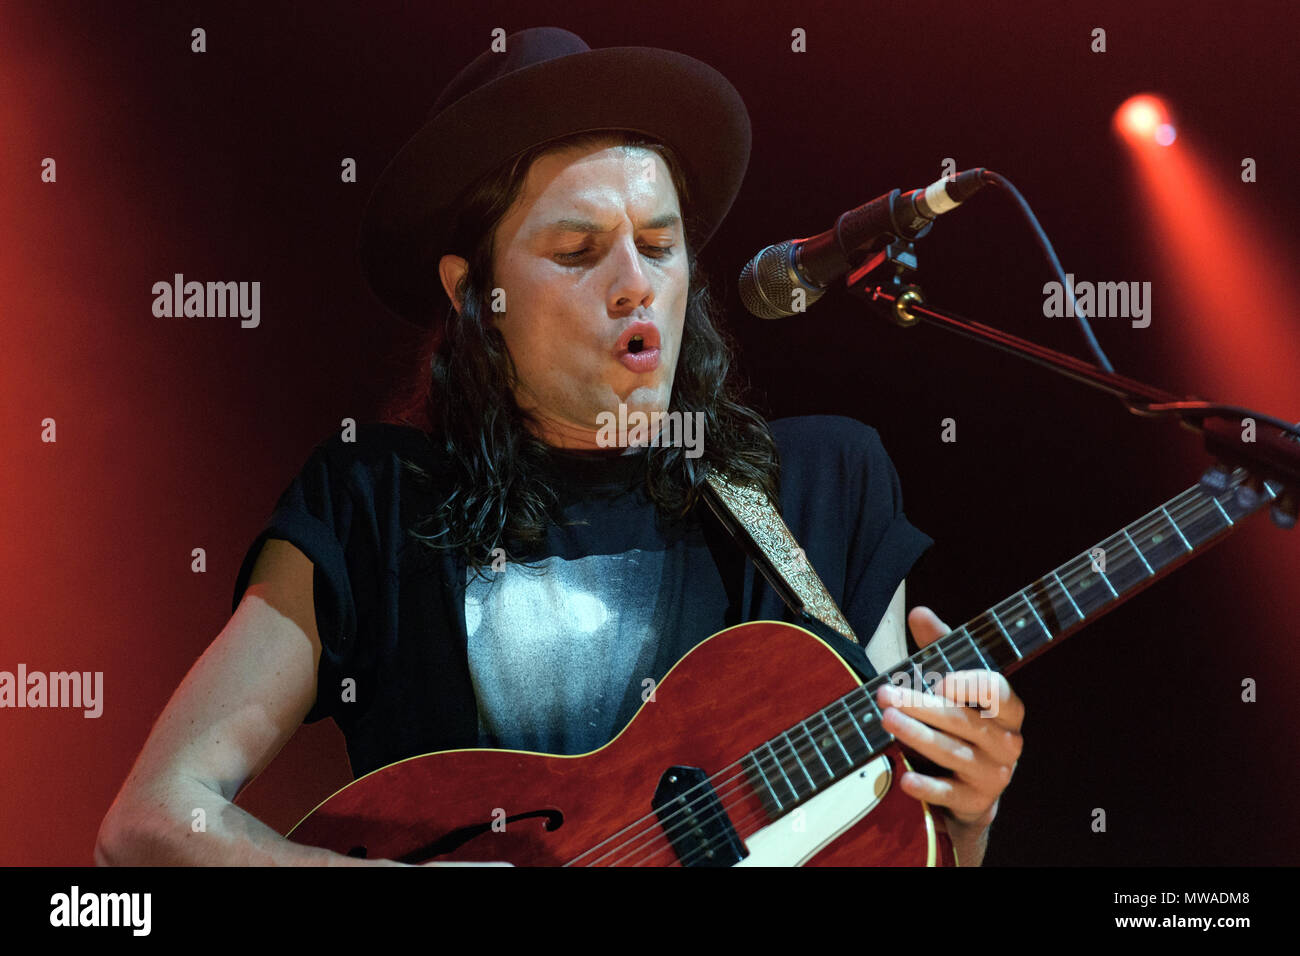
pixel 797 837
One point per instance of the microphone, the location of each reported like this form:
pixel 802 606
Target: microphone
pixel 768 281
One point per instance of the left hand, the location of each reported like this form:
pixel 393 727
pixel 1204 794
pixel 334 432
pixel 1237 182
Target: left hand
pixel 981 747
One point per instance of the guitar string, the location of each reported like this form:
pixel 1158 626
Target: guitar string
pixel 1197 504
pixel 806 749
pixel 1203 505
pixel 1194 506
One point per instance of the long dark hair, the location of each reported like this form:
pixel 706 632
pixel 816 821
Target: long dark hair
pixel 498 495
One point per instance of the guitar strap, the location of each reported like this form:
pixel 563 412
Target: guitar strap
pixel 752 519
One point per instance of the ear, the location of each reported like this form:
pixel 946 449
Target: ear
pixel 451 269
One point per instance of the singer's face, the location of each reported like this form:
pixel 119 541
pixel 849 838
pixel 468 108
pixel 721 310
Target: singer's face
pixel 594 244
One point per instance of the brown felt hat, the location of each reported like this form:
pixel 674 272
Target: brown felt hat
pixel 546 84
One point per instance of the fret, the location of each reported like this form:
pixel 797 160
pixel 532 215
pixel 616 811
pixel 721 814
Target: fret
pixel 931 662
pixel 795 753
pixel 1207 521
pixel 1102 574
pixel 999 653
pixel 994 614
pixel 821 774
pixel 978 652
pixel 1162 548
pixel 1133 545
pixel 792 794
pixel 855 703
pixel 870 718
pixel 844 765
pixel 1122 572
pixel 1024 640
pixel 1226 517
pixel 866 744
pixel 769 797
pixel 1068 597
pixel 1047 633
pixel 1046 608
pixel 1091 590
pixel 1181 536
pixel 962 655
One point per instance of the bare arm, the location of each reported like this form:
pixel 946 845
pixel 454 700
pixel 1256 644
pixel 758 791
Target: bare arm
pixel 239 704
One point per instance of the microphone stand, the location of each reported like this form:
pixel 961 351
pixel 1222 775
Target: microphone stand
pixel 1273 457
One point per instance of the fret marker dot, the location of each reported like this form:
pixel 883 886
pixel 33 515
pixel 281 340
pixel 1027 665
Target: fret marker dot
pixel 1020 623
pixel 826 742
pixel 1157 538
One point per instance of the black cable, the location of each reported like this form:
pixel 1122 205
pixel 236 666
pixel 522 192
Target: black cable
pixel 1207 409
pixel 1045 244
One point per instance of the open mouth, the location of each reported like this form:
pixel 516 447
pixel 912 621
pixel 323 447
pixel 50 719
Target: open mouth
pixel 640 336
pixel 638 347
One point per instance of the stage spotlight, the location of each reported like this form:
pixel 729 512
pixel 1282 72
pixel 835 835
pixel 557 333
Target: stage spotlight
pixel 1211 242
pixel 1144 118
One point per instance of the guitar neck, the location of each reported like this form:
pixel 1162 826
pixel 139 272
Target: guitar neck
pixel 837 740
pixel 1069 597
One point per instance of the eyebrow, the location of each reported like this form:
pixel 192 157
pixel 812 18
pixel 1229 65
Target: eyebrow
pixel 585 225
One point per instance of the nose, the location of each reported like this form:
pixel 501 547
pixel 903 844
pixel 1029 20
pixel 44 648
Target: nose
pixel 630 288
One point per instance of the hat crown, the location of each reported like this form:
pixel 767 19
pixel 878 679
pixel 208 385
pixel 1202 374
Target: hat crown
pixel 545 83
pixel 523 49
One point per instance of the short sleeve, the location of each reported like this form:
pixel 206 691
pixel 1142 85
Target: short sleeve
pixel 884 544
pixel 315 514
pixel 842 500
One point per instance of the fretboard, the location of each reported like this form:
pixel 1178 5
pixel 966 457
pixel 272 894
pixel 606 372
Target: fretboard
pixel 840 738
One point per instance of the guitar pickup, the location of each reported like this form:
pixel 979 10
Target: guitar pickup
pixel 694 820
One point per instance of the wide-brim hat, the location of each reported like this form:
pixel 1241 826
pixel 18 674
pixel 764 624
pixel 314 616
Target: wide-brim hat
pixel 547 83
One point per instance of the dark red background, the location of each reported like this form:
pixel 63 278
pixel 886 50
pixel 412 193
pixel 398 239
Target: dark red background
pixel 180 433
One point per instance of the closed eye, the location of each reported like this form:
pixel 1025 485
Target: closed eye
pixel 654 252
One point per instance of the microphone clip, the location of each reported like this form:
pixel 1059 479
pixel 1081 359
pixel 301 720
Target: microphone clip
pixel 901 255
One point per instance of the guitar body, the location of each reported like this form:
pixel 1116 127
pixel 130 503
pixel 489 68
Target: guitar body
pixel 729 695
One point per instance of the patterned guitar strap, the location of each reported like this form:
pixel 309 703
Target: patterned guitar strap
pixel 752 519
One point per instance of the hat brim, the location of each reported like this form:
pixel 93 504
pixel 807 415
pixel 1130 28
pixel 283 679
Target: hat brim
pixel 684 102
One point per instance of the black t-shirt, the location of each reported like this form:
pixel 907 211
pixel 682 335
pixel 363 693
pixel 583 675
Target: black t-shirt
pixel 420 655
pixel 563 643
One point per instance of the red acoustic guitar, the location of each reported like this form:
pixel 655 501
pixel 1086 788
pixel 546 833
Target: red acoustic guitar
pixel 759 748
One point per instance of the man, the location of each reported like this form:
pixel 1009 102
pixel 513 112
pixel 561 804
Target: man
pixel 504 575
